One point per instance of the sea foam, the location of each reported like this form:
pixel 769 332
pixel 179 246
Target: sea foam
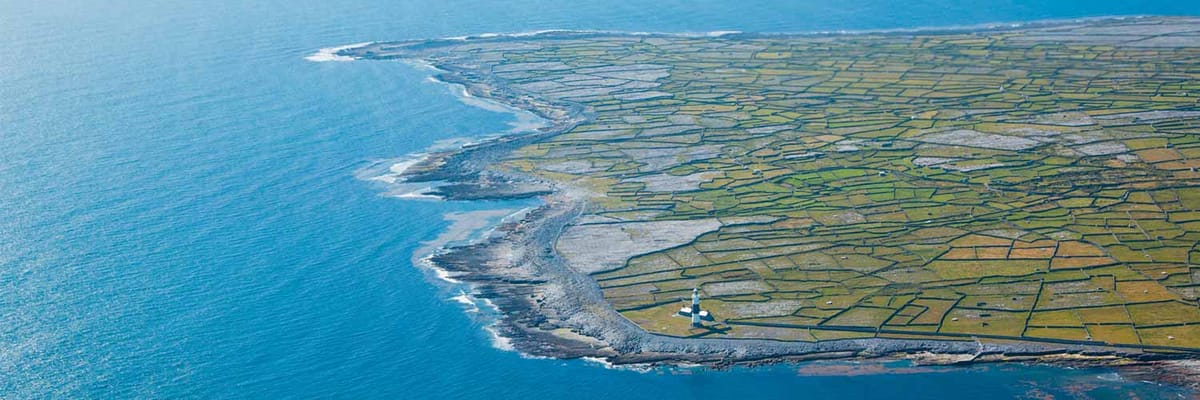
pixel 441 273
pixel 499 341
pixel 331 53
pixel 465 299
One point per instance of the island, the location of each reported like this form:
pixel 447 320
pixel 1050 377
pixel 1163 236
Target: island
pixel 1022 192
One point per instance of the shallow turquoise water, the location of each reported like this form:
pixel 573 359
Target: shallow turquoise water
pixel 179 215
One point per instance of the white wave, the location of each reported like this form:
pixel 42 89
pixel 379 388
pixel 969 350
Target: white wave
pixel 601 361
pixel 465 299
pixel 331 53
pixel 721 33
pixel 498 340
pixel 401 167
pixel 423 65
pixel 441 273
pixel 489 305
pixel 625 367
pixel 445 275
pixel 395 172
pixel 407 193
pixel 391 173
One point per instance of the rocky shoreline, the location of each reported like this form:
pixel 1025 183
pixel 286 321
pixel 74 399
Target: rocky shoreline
pixel 546 308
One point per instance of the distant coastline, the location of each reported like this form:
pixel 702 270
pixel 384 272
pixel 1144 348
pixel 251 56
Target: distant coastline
pixel 349 52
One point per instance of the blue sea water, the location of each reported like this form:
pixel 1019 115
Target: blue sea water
pixel 180 217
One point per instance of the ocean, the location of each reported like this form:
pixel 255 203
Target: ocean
pixel 183 214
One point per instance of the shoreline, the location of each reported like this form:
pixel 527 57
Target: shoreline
pixel 994 26
pixel 547 309
pixel 334 53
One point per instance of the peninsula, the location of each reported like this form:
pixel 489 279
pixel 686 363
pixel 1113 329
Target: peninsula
pixel 1017 192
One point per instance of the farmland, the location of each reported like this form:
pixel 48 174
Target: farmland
pixel 1036 184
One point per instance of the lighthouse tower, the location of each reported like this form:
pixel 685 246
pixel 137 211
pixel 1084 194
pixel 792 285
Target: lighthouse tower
pixel 695 300
pixel 694 312
pixel 696 307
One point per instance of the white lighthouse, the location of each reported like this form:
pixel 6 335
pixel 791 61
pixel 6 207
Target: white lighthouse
pixel 695 300
pixel 696 307
pixel 697 315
